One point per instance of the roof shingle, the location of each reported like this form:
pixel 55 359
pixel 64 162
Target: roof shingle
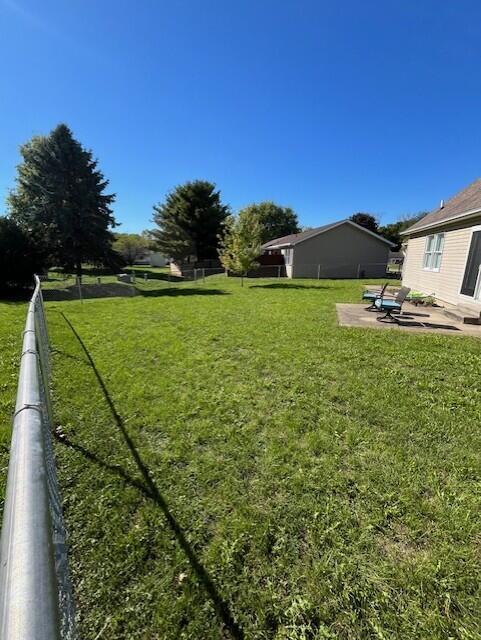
pixel 294 238
pixel 463 202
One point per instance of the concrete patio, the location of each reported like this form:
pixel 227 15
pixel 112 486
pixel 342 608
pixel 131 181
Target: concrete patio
pixel 413 319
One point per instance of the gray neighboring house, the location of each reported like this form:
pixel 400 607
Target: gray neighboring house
pixel 443 255
pixel 341 249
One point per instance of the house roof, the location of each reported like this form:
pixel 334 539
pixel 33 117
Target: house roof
pixel 296 238
pixel 463 204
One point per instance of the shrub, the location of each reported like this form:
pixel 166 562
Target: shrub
pixel 19 257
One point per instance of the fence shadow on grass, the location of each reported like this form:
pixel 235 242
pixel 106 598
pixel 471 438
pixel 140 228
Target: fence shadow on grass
pixel 426 325
pixel 151 491
pixel 155 275
pixel 175 291
pixel 281 285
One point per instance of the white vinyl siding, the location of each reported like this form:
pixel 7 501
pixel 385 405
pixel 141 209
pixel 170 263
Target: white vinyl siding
pixel 445 283
pixel 433 252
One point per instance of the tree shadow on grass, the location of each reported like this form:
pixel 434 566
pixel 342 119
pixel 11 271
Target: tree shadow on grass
pixel 155 275
pixel 15 296
pixel 280 285
pixel 151 491
pixel 175 291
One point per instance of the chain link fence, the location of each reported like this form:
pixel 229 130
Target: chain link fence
pixel 145 281
pixel 313 271
pixel 36 600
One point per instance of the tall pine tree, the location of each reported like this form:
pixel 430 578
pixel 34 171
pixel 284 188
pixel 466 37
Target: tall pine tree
pixel 190 222
pixel 59 199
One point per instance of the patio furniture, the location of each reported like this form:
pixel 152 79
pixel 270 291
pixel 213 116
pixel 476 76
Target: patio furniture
pixel 390 306
pixel 373 296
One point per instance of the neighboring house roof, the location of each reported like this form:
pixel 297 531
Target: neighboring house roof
pixel 464 204
pixel 297 238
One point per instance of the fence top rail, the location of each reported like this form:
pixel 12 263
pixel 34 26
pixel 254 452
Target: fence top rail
pixel 29 602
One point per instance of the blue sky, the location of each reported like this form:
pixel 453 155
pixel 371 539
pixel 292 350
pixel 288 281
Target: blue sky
pixel 328 107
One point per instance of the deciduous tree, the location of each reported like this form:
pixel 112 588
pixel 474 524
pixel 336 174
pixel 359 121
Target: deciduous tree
pixel 393 230
pixel 366 220
pixel 274 220
pixel 131 246
pixel 241 244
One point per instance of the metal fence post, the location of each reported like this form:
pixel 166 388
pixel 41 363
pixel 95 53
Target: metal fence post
pixel 318 271
pixel 79 285
pixel 358 271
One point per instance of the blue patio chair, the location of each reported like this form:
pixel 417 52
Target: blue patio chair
pixel 373 296
pixel 390 306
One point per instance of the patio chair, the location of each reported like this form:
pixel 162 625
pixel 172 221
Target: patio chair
pixel 389 306
pixel 373 296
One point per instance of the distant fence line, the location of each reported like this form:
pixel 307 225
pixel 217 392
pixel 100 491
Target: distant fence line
pixel 112 284
pixel 315 271
pixel 35 592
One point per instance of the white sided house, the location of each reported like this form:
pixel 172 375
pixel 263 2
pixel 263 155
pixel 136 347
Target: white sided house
pixel 341 249
pixel 443 254
pixel 158 259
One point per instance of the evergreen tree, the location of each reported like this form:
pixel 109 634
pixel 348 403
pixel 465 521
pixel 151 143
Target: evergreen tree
pixel 59 199
pixel 190 222
pixel 275 221
pixel 240 246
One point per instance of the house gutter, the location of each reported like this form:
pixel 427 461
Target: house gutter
pixel 460 216
pixel 278 246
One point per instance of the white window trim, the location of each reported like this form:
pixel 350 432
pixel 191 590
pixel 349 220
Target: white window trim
pixel 463 296
pixel 432 252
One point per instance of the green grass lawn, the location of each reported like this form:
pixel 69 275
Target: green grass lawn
pixel 157 278
pixel 235 465
pixel 12 321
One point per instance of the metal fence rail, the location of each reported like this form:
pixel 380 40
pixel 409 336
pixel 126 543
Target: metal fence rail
pixel 143 278
pixel 35 594
pixel 313 271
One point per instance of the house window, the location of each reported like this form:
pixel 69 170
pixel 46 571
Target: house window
pixel 433 252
